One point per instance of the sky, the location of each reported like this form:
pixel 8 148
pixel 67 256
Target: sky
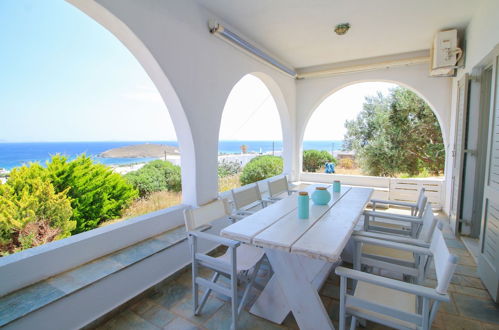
pixel 63 77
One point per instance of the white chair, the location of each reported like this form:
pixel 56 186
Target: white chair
pixel 236 264
pixel 279 187
pixel 376 250
pixel 247 200
pixel 395 223
pixel 414 207
pixel 395 303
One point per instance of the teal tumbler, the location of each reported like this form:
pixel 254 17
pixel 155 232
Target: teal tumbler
pixel 336 186
pixel 303 205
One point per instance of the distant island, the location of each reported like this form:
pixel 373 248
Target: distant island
pixel 146 150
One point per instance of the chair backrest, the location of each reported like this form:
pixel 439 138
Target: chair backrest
pixel 421 202
pixel 429 222
pixel 205 214
pixel 278 186
pixel 445 262
pixel 246 195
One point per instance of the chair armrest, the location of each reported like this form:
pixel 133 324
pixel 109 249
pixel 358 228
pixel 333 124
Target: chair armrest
pixel 236 217
pixel 398 203
pixel 214 238
pixel 391 216
pixel 393 238
pixel 392 245
pixel 267 201
pixel 242 212
pixel 417 290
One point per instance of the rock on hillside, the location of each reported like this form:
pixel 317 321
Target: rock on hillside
pixel 146 150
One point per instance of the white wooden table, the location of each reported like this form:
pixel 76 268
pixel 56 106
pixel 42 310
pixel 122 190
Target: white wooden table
pixel 302 252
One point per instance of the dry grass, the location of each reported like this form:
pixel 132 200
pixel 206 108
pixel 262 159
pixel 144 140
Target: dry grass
pixel 348 171
pixel 229 182
pixel 164 199
pixel 154 202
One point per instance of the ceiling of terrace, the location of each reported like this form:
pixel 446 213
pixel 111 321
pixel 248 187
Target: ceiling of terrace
pixel 300 32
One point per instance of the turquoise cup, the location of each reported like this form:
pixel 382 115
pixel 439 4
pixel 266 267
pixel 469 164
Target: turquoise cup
pixel 303 205
pixel 336 186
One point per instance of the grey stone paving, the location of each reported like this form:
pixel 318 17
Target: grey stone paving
pixel 169 305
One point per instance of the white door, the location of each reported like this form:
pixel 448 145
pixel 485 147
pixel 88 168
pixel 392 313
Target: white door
pixel 488 263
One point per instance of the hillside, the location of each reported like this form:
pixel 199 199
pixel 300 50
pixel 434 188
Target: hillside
pixel 147 150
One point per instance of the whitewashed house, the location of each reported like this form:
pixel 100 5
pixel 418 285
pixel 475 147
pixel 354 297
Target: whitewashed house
pixel 304 62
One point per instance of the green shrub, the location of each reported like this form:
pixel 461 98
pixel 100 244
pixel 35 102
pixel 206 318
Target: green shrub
pixel 157 175
pixel 313 160
pixel 97 193
pixel 228 168
pixel 31 211
pixel 261 167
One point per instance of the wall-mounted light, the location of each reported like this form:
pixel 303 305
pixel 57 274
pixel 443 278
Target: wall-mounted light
pixel 342 28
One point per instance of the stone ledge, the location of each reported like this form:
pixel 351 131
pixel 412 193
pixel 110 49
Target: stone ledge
pixel 29 299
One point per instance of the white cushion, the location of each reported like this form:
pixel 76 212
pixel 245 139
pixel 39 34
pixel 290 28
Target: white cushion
pixel 384 296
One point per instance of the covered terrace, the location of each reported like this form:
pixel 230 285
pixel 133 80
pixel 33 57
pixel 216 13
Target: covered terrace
pixel 134 274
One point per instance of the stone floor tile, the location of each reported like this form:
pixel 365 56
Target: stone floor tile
pixel 185 278
pixel 455 244
pixel 185 309
pixel 333 310
pixel 484 310
pixel 330 290
pixel 222 320
pixel 489 326
pixel 466 261
pixel 127 320
pixel 438 322
pixel 180 324
pixel 170 294
pixel 472 282
pixel 141 306
pixel 453 322
pixel 158 316
pixel 479 293
pixel 459 252
pixel 450 307
pixel 290 322
pixel 467 271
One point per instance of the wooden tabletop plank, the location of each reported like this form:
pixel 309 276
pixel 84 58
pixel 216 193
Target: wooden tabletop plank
pixel 246 229
pixel 328 237
pixel 282 234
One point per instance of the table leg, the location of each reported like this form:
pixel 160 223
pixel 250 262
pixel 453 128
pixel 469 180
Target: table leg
pixel 272 304
pixel 295 289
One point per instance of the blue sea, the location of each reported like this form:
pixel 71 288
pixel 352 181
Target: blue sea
pixel 19 153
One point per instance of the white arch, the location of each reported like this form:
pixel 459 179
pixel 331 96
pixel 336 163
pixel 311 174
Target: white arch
pixel 319 101
pixel 162 83
pixel 284 115
pixel 338 88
